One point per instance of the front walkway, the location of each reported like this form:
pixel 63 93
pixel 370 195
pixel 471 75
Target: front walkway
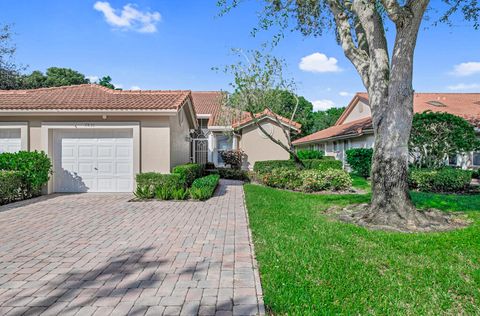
pixel 98 254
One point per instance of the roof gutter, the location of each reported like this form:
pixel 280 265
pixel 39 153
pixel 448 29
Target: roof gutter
pixel 170 112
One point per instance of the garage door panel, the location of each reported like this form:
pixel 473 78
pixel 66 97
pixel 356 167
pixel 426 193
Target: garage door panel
pixel 10 140
pixel 101 161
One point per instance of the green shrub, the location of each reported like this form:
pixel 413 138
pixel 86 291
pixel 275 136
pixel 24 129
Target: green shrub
pixel 476 174
pixel 360 160
pixel 203 188
pixel 34 166
pixel 322 164
pixel 283 178
pixel 144 192
pixel 180 194
pixel 11 186
pixel 233 174
pixel 262 167
pixel 321 180
pixel 164 193
pixel 233 157
pixel 155 180
pixel 188 172
pixel 441 180
pixel 310 154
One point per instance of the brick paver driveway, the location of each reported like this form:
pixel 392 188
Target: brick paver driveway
pixel 101 254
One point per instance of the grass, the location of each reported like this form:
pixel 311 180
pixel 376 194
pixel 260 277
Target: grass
pixel 311 264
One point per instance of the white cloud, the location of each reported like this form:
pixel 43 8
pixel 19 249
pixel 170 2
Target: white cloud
pixel 135 88
pixel 92 78
pixel 464 86
pixel 322 105
pixel 129 18
pixel 318 62
pixel 345 94
pixel 466 69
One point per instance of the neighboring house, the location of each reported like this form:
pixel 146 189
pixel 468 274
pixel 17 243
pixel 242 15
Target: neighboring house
pixel 218 132
pixel 354 127
pixel 99 139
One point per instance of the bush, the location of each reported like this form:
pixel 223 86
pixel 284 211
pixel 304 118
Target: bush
pixel 233 174
pixel 203 188
pixel 441 180
pixel 11 184
pixel 262 167
pixel 188 172
pixel 233 158
pixel 360 160
pixel 320 180
pixel 310 154
pixel 322 164
pixel 476 174
pixel 283 178
pixel 34 166
pixel 155 180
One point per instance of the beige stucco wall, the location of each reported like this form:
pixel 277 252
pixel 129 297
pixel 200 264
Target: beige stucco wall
pixel 258 147
pixel 360 111
pixel 154 135
pixel 179 146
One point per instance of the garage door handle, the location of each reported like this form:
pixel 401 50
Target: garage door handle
pixel 96 168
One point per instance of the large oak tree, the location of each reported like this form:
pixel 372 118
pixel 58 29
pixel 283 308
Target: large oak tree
pixel 361 27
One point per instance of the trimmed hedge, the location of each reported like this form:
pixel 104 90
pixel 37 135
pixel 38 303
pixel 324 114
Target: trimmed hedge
pixel 360 160
pixel 310 154
pixel 11 184
pixel 308 180
pixel 443 180
pixel 322 164
pixel 154 184
pixel 262 167
pixel 34 166
pixel 203 188
pixel 233 174
pixel 188 172
pixel 266 166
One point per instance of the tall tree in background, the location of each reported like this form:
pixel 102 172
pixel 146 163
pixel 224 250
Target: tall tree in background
pixel 54 77
pixel 258 82
pixel 106 81
pixel 360 26
pixel 325 119
pixel 9 71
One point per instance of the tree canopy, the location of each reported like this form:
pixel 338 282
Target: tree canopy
pixel 54 77
pixel 9 70
pixel 437 136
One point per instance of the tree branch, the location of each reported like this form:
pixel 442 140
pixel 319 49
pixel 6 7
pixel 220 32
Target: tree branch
pixel 358 57
pixel 396 12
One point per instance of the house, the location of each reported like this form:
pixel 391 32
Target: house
pixel 354 127
pixel 99 139
pixel 219 132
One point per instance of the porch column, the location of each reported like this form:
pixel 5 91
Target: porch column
pixel 211 146
pixel 235 142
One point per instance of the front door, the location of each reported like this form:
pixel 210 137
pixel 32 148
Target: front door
pixel 200 148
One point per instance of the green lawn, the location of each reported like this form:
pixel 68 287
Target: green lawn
pixel 311 264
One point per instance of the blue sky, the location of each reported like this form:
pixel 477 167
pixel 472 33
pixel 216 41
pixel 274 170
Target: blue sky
pixel 165 44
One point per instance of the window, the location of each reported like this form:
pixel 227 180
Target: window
pixel 335 146
pixel 224 143
pixel 476 158
pixel 452 160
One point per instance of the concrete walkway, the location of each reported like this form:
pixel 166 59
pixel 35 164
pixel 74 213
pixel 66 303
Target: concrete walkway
pixel 99 254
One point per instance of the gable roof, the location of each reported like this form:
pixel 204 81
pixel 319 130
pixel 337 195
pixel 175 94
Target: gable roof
pixel 248 120
pixel 466 105
pixel 211 103
pixel 350 129
pixel 91 97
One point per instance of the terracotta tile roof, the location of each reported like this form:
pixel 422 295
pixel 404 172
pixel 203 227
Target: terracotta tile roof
pixel 353 128
pixel 211 103
pixel 466 105
pixel 91 97
pixel 247 119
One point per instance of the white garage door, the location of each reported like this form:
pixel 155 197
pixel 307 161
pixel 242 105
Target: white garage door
pixel 93 161
pixel 10 140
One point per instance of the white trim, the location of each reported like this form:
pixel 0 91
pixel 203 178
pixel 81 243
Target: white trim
pixel 59 112
pixel 47 145
pixel 268 117
pixel 203 116
pixel 220 128
pixel 23 126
